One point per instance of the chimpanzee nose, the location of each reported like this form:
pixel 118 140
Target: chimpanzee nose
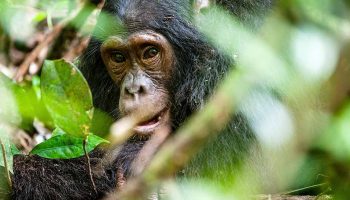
pixel 135 89
pixel 135 84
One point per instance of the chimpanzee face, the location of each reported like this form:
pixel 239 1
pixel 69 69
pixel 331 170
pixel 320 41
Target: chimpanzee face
pixel 141 65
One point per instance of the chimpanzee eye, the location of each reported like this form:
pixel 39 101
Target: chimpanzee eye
pixel 117 57
pixel 150 52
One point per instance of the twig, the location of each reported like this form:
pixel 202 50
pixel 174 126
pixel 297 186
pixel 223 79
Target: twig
pixel 147 152
pixel 6 164
pixel 63 32
pixel 89 165
pixel 62 44
pixel 304 188
pixel 339 82
pixel 77 48
pixel 23 68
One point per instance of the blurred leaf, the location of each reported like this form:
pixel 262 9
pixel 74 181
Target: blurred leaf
pixel 9 112
pixel 40 16
pixel 67 97
pixel 15 16
pixel 80 19
pixel 10 150
pixel 101 122
pixel 14 150
pixel 30 107
pixel 58 9
pixel 20 104
pixel 108 25
pixel 65 146
pixel 3 14
pixel 199 190
pixel 5 189
pixel 271 71
pixel 36 86
pixel 337 138
pixel 34 100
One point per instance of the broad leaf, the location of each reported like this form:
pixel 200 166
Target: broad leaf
pixel 65 146
pixel 67 97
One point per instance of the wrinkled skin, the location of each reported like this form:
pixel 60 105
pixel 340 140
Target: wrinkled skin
pixel 142 65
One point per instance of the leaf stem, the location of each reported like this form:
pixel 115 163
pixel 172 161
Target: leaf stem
pixel 304 188
pixel 89 164
pixel 6 164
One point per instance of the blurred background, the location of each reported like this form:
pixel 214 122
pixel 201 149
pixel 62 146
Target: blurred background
pixel 297 61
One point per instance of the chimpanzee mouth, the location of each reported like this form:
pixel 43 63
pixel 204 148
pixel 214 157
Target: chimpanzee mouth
pixel 149 125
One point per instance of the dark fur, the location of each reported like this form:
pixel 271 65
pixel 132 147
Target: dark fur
pixel 40 178
pixel 198 69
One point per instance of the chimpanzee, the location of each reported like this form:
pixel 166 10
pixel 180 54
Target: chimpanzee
pixel 150 59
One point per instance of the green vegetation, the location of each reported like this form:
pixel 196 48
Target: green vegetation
pixel 291 82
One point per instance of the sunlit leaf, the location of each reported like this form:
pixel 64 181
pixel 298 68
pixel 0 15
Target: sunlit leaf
pixel 67 97
pixel 40 16
pixel 57 131
pixel 65 146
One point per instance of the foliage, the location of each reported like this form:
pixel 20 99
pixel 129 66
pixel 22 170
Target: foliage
pixel 10 150
pixel 68 99
pixel 293 72
pixel 67 96
pixel 63 146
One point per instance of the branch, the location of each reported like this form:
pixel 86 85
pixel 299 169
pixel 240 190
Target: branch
pixel 87 157
pixel 63 33
pixel 70 31
pixel 23 68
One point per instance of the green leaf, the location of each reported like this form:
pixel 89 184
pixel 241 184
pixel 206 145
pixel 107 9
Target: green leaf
pixel 10 150
pixel 57 131
pixel 14 150
pixel 339 135
pixel 36 86
pixel 67 97
pixel 19 105
pixel 40 16
pixel 66 146
pixel 101 122
pixel 9 111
